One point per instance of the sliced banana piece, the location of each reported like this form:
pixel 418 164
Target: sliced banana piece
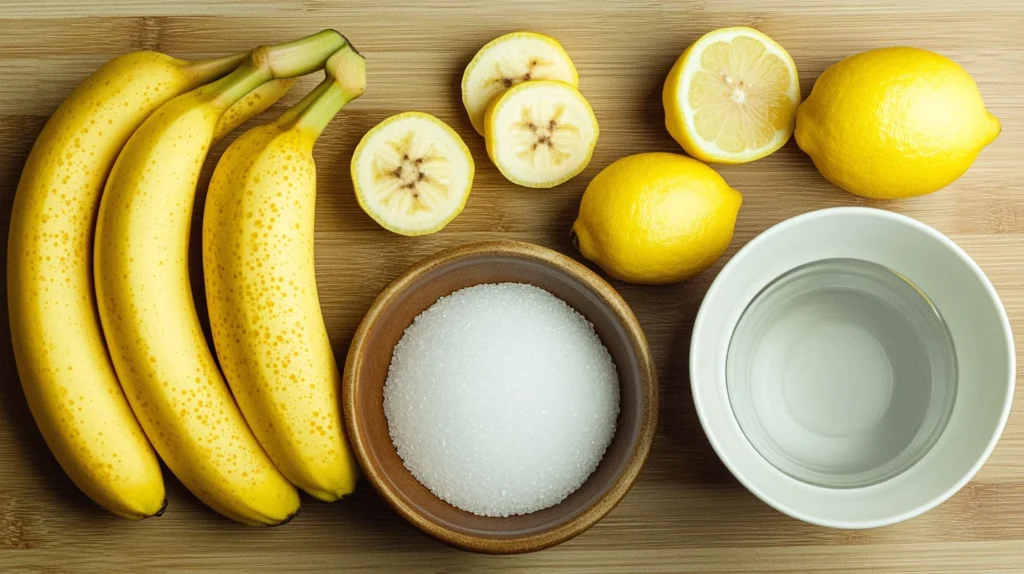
pixel 509 60
pixel 540 133
pixel 412 173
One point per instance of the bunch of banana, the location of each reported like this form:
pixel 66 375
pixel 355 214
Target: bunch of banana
pixel 113 176
pixel 62 359
pixel 261 287
pixel 166 369
pixel 520 91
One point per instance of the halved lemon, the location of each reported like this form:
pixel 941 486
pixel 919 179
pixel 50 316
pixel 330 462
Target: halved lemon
pixel 412 173
pixel 509 60
pixel 732 96
pixel 540 133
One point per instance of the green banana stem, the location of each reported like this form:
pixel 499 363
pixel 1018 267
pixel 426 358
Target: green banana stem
pixel 208 70
pixel 289 116
pixel 346 81
pixel 267 63
pixel 293 58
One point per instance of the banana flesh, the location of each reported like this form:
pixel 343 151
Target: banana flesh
pixel 412 173
pixel 510 60
pixel 540 133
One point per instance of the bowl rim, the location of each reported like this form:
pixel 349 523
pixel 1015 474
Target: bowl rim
pixel 725 455
pixel 649 383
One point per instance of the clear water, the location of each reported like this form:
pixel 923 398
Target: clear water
pixel 841 373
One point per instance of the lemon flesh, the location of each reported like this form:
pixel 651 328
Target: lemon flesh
pixel 510 60
pixel 412 173
pixel 540 133
pixel 732 96
pixel 894 123
pixel 655 218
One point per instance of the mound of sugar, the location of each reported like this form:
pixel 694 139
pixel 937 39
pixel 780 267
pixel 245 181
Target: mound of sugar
pixel 501 399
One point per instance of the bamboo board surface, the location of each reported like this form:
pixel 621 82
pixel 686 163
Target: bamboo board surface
pixel 686 513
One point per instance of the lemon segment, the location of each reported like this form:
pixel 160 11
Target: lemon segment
pixel 655 218
pixel 732 96
pixel 412 173
pixel 510 60
pixel 540 133
pixel 894 123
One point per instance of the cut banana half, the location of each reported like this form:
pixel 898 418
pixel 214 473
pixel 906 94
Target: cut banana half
pixel 412 173
pixel 509 60
pixel 540 133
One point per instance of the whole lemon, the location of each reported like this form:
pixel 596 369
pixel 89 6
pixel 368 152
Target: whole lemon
pixel 894 122
pixel 656 218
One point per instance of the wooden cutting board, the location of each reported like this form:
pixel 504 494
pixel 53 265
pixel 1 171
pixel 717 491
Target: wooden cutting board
pixel 686 513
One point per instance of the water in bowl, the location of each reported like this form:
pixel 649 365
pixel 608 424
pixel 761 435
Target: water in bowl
pixel 841 373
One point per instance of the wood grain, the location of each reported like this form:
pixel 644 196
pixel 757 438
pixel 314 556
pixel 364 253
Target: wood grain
pixel 686 513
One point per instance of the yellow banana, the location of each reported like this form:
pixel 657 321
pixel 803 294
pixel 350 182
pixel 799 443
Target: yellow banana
pixel 145 302
pixel 63 364
pixel 261 288
pixel 251 105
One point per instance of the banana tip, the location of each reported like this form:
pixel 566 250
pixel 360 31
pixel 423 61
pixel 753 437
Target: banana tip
pixel 287 519
pixel 163 508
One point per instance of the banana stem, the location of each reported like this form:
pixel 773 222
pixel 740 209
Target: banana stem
pixel 346 81
pixel 208 70
pixel 289 116
pixel 233 87
pixel 294 58
pixel 267 63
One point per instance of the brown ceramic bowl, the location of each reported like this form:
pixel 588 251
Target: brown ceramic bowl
pixel 495 262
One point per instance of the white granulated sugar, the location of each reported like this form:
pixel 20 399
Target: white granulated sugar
pixel 501 399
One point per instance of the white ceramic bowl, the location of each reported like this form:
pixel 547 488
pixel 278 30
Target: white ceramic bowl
pixel 852 399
